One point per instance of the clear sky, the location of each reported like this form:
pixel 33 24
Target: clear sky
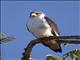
pixel 15 14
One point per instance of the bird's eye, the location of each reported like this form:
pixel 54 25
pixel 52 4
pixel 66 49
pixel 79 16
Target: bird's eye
pixel 37 13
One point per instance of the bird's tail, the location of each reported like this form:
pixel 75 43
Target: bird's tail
pixel 53 45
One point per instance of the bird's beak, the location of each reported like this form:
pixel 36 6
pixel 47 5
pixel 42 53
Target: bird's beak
pixel 33 15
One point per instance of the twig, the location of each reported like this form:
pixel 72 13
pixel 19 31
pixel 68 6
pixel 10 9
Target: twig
pixel 69 53
pixel 62 39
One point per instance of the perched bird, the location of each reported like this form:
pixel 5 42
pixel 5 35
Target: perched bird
pixel 42 26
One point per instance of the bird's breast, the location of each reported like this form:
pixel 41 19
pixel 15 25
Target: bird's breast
pixel 39 28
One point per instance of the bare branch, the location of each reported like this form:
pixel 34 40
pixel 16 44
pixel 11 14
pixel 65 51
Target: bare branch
pixel 60 39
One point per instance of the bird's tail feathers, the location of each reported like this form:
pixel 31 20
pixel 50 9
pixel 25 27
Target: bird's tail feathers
pixel 53 45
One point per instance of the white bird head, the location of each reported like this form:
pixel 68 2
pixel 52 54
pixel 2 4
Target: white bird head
pixel 37 14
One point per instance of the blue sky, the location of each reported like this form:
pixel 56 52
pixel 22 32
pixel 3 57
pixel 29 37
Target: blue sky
pixel 15 14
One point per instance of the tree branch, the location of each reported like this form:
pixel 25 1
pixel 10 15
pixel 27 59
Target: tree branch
pixel 71 54
pixel 60 39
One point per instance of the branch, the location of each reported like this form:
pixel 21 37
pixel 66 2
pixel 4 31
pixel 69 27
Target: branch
pixel 60 39
pixel 72 54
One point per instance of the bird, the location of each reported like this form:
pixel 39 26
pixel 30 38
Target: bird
pixel 40 25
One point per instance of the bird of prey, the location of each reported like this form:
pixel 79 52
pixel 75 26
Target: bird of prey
pixel 42 26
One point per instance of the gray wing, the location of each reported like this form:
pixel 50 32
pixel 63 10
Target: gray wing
pixel 53 25
pixel 54 45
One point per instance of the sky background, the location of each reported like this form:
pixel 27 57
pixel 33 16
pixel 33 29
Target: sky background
pixel 15 14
